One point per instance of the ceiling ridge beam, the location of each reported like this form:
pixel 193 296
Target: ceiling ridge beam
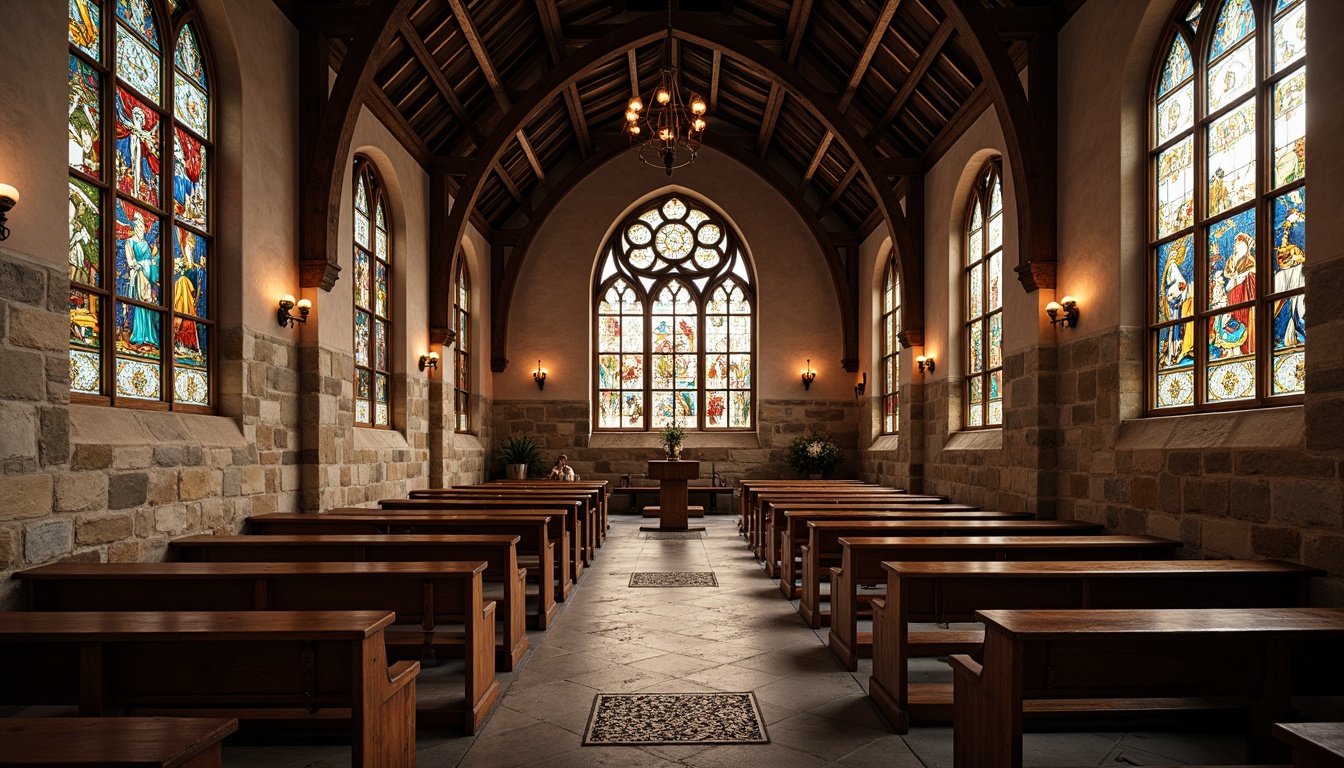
pixel 917 72
pixel 440 81
pixel 793 31
pixel 555 42
pixel 714 80
pixel 866 56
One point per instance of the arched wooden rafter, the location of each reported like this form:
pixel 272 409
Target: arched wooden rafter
pixel 1028 132
pixel 748 54
pixel 499 322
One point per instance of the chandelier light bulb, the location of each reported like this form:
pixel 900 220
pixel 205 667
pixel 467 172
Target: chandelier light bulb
pixel 663 96
pixel 698 125
pixel 631 116
pixel 634 129
pixel 665 135
pixel 697 106
pixel 636 105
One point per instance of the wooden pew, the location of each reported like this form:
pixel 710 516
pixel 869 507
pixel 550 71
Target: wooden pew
pixel 821 548
pixel 291 668
pixel 1315 745
pixel 113 742
pixel 761 514
pixel 584 533
pixel 861 563
pixel 503 581
pixel 1084 661
pixel 750 488
pixel 443 599
pixel 952 591
pixel 597 491
pixel 706 495
pixel 536 551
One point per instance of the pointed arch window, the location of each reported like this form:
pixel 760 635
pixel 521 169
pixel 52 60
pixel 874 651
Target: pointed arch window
pixel 891 326
pixel 462 324
pixel 373 300
pixel 140 120
pixel 675 322
pixel 984 301
pixel 1227 156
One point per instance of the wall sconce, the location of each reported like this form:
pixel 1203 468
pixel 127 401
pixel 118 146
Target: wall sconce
pixel 1070 307
pixel 861 386
pixel 287 303
pixel 809 375
pixel 429 360
pixel 540 377
pixel 9 196
pixel 924 364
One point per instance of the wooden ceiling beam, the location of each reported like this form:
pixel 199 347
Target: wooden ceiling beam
pixel 816 158
pixel 586 33
pixel 555 42
pixel 917 73
pixel 421 52
pixel 839 190
pixel 714 80
pixel 869 50
pixel 634 72
pixel 793 31
pixel 772 106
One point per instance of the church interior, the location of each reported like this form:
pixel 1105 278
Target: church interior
pixel 843 383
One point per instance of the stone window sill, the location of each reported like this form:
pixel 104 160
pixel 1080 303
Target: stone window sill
pixel 885 443
pixel 1259 428
pixel 369 439
pixel 465 441
pixel 976 440
pixel 102 425
pixel 693 440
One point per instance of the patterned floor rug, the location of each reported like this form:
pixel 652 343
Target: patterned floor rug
pixel 674 536
pixel 639 719
pixel 674 579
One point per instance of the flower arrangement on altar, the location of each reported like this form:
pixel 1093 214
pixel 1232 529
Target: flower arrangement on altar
pixel 814 454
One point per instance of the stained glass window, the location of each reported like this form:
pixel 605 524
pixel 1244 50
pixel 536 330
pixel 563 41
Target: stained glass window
pixel 373 299
pixel 675 336
pixel 141 231
pixel 891 326
pixel 462 324
pixel 984 301
pixel 1228 240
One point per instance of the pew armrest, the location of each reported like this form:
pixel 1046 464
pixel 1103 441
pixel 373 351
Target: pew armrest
pixel 964 666
pixel 401 674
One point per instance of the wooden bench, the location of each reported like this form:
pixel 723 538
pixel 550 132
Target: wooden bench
pixel 603 488
pixel 503 581
pixel 536 551
pixel 762 514
pixel 821 550
pixel 113 742
pixel 952 592
pixel 861 563
pixel 584 532
pixel 750 490
pixel 1315 745
pixel 289 668
pixel 442 600
pixel 705 493
pixel 1109 661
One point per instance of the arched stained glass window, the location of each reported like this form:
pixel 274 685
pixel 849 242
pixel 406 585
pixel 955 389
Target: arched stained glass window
pixel 891 348
pixel 462 324
pixel 141 206
pixel 984 300
pixel 373 303
pixel 1228 234
pixel 675 322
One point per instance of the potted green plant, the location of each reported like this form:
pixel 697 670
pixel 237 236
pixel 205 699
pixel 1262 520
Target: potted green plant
pixel 520 454
pixel 814 454
pixel 672 436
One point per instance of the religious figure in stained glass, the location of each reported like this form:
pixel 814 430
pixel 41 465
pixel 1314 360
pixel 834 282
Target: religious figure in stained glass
pixel 140 278
pixel 372 299
pixel 137 149
pixel 984 301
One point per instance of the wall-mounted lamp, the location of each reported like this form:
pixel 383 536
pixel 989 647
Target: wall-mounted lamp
pixel 9 196
pixel 1070 309
pixel 809 375
pixel 861 386
pixel 925 364
pixel 540 377
pixel 287 303
pixel 429 360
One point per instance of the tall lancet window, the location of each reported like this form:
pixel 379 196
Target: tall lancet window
pixel 140 106
pixel 1228 226
pixel 462 324
pixel 891 348
pixel 373 301
pixel 675 322
pixel 984 301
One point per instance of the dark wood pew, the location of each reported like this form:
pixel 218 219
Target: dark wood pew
pixel 113 742
pixel 708 495
pixel 503 581
pixel 291 668
pixel 1315 745
pixel 596 491
pixel 536 551
pixel 750 488
pixel 821 548
pixel 761 511
pixel 1109 661
pixel 861 563
pixel 584 533
pixel 948 592
pixel 441 601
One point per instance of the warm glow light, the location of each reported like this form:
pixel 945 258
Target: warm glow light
pixel 920 359
pixel 636 104
pixel 434 356
pixel 287 300
pixel 1052 307
pixel 663 96
pixel 1067 300
pixel 698 125
pixel 665 135
pixel 697 106
pixel 632 116
pixel 305 304
pixel 9 193
pixel 634 129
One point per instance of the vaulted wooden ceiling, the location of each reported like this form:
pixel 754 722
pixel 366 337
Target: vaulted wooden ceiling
pixel 896 70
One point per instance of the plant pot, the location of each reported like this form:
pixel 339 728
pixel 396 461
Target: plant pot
pixel 515 471
pixel 674 454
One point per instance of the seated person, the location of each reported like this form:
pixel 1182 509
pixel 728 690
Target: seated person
pixel 562 470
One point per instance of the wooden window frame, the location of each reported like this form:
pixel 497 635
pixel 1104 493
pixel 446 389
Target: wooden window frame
pixel 367 169
pixel 982 192
pixel 890 372
pixel 462 354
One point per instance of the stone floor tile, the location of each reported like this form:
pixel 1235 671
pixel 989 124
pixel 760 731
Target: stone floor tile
pixel 825 738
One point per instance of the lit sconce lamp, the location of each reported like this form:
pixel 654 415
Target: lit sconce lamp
pixel 1069 306
pixel 287 303
pixel 924 364
pixel 809 375
pixel 429 360
pixel 540 377
pixel 861 386
pixel 9 196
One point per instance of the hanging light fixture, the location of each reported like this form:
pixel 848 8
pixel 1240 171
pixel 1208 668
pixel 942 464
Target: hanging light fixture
pixel 668 133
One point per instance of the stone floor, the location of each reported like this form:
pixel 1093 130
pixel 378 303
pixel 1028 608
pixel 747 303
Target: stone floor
pixel 740 636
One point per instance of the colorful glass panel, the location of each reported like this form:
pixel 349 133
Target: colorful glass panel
pixel 190 261
pixel 1178 68
pixel 190 180
pixel 1231 336
pixel 86 243
pixel 1232 76
pixel 1290 128
pixel 380 343
pixel 1176 113
pixel 137 254
pixel 191 105
pixel 363 337
pixel 1232 381
pixel 1290 37
pixel 138 157
pixel 137 15
pixel 1176 282
pixel 85 121
pixel 138 66
pixel 1176 188
pixel 1232 261
pixel 1232 159
pixel 86 342
pixel 86 27
pixel 188 56
pixel 380 289
pixel 1235 22
pixel 1192 17
pixel 1290 246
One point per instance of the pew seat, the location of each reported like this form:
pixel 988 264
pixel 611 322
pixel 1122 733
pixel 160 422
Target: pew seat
pixel 113 742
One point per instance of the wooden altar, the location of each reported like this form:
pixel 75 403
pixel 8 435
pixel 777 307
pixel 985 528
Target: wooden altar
pixel 672 477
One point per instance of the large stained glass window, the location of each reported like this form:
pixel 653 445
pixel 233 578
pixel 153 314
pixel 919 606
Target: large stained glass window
pixel 462 324
pixel 675 325
pixel 891 348
pixel 140 106
pixel 373 270
pixel 984 301
pixel 1228 234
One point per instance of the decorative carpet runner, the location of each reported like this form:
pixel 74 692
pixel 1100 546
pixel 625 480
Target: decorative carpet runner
pixel 674 535
pixel 638 719
pixel 674 579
